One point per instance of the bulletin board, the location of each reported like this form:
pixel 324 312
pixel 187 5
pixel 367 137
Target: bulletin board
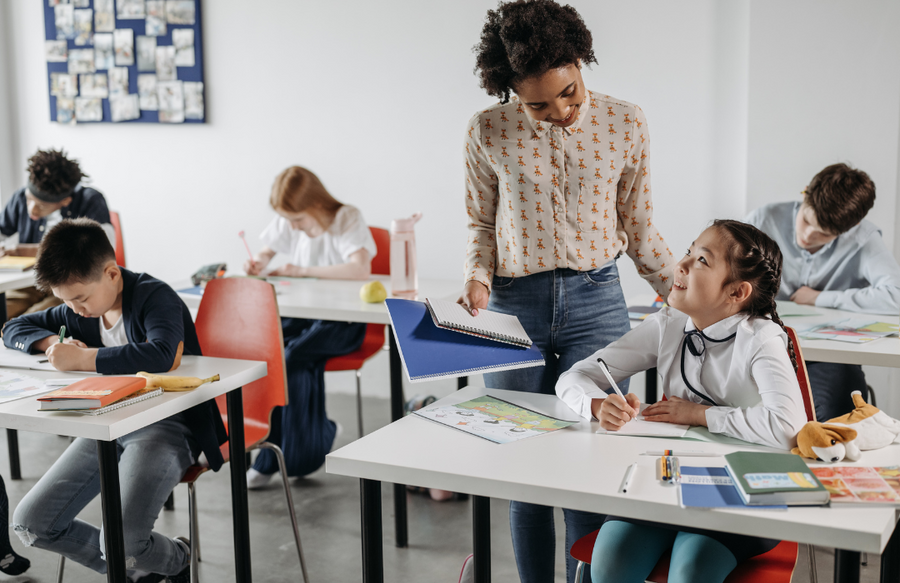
pixel 124 61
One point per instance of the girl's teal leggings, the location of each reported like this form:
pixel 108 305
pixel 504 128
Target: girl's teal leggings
pixel 626 553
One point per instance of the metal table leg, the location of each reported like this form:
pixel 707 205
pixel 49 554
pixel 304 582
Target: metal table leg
pixel 372 538
pixel 239 509
pixel 397 402
pixel 650 390
pixel 111 499
pixel 846 566
pixel 12 442
pixel 890 559
pixel 481 533
pixel 462 383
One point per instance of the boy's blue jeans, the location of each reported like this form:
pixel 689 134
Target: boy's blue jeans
pixel 569 315
pixel 152 461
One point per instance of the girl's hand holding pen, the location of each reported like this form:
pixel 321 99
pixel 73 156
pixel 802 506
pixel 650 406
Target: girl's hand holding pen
pixel 614 411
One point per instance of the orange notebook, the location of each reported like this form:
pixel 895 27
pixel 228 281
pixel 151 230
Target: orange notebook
pixel 91 393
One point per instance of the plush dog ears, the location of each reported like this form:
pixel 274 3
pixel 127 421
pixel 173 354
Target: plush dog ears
pixel 839 432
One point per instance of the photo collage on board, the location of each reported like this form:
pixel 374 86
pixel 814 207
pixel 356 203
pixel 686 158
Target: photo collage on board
pixel 124 60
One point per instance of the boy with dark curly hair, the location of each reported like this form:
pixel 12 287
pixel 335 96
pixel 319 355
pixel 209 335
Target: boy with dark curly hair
pixel 557 188
pixel 54 192
pixel 833 258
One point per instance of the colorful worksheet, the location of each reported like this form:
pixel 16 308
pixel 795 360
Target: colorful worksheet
pixel 855 330
pixel 14 385
pixel 494 419
pixel 870 486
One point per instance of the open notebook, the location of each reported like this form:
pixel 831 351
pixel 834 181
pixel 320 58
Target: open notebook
pixel 491 325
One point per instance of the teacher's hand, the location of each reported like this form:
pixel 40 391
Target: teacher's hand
pixel 474 297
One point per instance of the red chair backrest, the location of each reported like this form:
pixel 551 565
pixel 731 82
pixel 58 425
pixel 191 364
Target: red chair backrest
pixel 802 376
pixel 381 263
pixel 116 223
pixel 238 318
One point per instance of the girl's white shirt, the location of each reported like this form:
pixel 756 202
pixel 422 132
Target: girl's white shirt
pixel 749 377
pixel 346 235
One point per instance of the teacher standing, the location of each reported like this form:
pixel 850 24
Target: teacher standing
pixel 557 187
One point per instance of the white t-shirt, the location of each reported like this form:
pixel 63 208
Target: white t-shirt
pixel 346 235
pixel 115 336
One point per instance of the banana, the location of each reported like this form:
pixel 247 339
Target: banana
pixel 174 384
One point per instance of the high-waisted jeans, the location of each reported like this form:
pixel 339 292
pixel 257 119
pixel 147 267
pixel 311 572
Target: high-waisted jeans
pixel 569 315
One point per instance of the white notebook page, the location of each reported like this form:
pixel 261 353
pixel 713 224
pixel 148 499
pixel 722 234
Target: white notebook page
pixel 493 324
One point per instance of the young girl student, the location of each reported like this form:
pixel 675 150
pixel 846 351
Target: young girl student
pixel 726 363
pixel 322 238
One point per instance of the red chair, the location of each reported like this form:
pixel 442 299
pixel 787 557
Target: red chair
pixel 374 340
pixel 775 566
pixel 116 223
pixel 238 318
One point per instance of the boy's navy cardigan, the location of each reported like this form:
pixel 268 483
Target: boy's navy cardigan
pixel 86 202
pixel 159 330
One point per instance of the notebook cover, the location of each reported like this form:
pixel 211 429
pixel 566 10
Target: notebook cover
pixel 15 263
pixel 775 477
pixel 104 389
pixel 710 488
pixel 429 352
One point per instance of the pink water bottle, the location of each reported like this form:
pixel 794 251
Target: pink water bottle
pixel 404 278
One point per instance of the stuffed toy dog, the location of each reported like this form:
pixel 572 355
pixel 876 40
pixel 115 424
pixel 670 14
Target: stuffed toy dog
pixel 864 428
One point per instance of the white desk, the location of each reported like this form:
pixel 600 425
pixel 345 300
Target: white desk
pixel 10 280
pixel 338 300
pixel 23 414
pixel 574 468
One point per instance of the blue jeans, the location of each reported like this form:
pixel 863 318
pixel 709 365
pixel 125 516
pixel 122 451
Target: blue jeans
pixel 569 315
pixel 302 429
pixel 152 461
pixel 831 387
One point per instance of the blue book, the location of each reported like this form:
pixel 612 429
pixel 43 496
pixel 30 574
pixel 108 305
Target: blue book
pixel 429 352
pixel 711 488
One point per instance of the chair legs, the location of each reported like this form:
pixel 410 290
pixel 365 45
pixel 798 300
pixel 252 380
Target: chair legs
pixel 194 530
pixel 290 503
pixel 579 572
pixel 359 422
pixel 813 576
pixel 60 569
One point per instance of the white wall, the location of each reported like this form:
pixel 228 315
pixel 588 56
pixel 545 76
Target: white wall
pixel 372 96
pixel 746 100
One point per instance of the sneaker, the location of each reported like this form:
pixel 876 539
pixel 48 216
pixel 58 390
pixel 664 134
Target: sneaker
pixel 257 480
pixel 418 402
pixel 184 576
pixel 467 573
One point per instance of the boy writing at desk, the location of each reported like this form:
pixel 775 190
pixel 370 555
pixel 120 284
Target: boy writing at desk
pixel 833 258
pixel 121 323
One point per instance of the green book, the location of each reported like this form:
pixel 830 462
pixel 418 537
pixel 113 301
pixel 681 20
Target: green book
pixel 774 478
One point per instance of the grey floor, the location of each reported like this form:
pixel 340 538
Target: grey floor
pixel 328 510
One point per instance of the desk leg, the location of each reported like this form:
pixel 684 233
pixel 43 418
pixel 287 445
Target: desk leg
pixel 397 402
pixel 890 559
pixel 846 566
pixel 372 538
pixel 462 383
pixel 239 510
pixel 481 531
pixel 12 442
pixel 650 390
pixel 111 499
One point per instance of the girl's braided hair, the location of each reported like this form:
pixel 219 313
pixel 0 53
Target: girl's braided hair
pixel 755 258
pixel 527 38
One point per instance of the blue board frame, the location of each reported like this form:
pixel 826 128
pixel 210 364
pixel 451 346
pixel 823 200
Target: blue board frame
pixel 194 73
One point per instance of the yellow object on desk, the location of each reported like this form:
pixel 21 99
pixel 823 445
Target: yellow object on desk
pixel 15 263
pixel 373 292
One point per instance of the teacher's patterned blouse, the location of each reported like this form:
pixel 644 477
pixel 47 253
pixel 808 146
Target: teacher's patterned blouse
pixel 541 197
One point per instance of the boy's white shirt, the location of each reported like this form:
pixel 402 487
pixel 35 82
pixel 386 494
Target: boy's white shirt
pixel 750 376
pixel 114 336
pixel 347 234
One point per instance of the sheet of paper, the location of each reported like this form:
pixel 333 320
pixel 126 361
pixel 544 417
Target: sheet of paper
pixel 787 309
pixel 640 427
pixel 14 385
pixel 855 330
pixel 18 359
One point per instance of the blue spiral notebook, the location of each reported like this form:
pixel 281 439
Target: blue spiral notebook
pixel 429 352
